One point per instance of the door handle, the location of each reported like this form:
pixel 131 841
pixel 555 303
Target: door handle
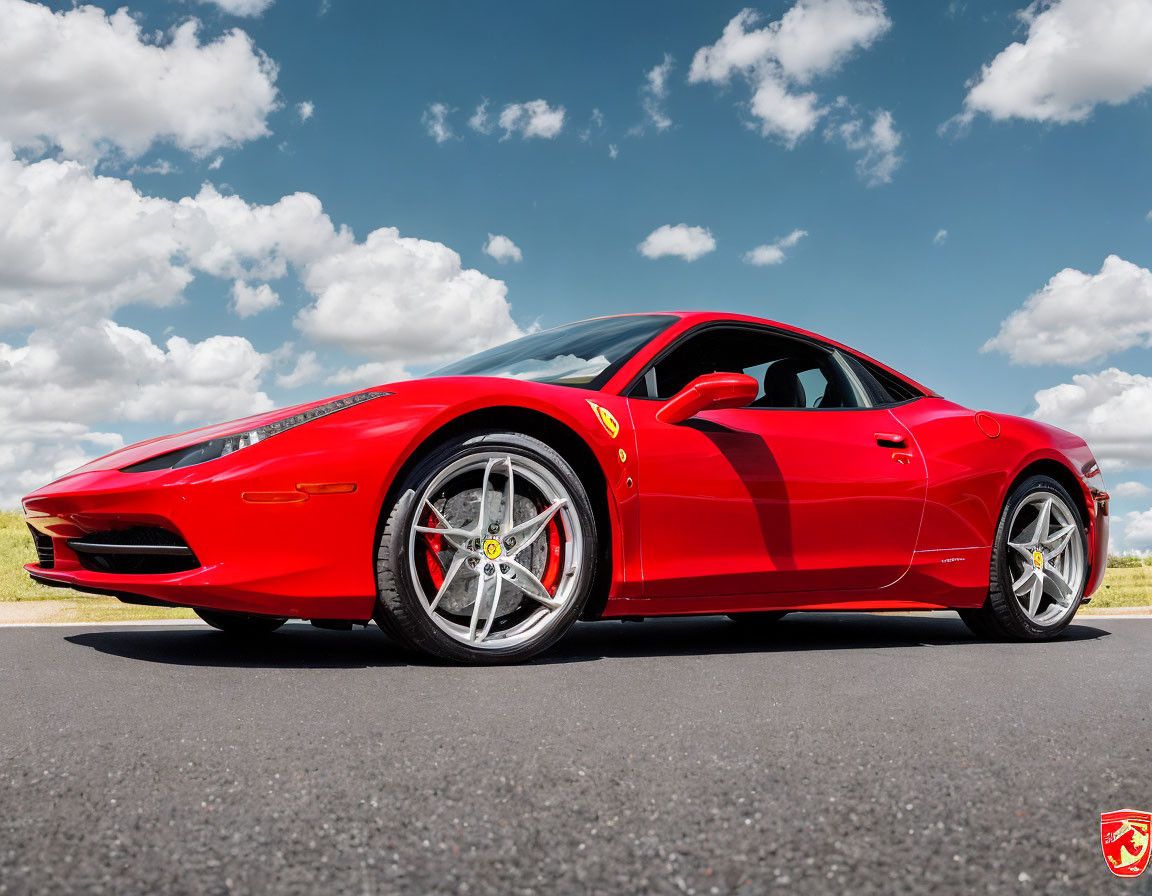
pixel 890 440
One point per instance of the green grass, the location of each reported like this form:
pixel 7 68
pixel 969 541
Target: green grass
pixel 16 550
pixel 1127 583
pixel 66 605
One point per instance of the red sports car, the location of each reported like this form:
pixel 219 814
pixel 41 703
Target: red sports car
pixel 630 466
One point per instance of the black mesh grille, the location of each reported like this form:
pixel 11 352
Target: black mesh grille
pixel 142 550
pixel 45 557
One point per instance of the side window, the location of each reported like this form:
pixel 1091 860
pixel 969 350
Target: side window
pixel 793 374
pixel 881 386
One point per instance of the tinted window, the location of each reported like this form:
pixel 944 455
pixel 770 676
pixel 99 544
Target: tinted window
pixel 882 387
pixel 791 373
pixel 584 354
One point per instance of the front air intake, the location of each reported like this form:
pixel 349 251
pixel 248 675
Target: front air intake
pixel 45 556
pixel 141 550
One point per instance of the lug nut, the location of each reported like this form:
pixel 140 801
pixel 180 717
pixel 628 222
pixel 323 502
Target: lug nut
pixel 493 528
pixel 509 542
pixel 504 568
pixel 489 569
pixel 472 561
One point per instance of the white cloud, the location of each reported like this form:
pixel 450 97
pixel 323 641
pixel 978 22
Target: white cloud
pixel 241 7
pixel 249 300
pixel 435 121
pixel 941 237
pixel 613 151
pixel 372 373
pixel 480 120
pixel 92 83
pixel 775 252
pixel 782 58
pixel 307 369
pixel 812 38
pixel 1130 489
pixel 113 247
pixel 397 298
pixel 33 453
pixel 1078 317
pixel 87 373
pixel 1111 409
pixel 785 115
pixel 75 248
pixel 305 110
pixel 878 143
pixel 502 249
pixel 534 118
pixel 595 126
pixel 160 166
pixel 216 163
pixel 1132 533
pixel 654 96
pixel 1078 54
pixel 680 240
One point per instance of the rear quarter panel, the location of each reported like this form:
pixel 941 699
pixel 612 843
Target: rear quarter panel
pixel 969 473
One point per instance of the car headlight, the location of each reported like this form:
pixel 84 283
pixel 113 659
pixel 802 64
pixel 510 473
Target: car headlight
pixel 218 447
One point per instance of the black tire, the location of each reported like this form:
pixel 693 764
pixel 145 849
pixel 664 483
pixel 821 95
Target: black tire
pixel 758 618
pixel 402 614
pixel 1001 618
pixel 241 623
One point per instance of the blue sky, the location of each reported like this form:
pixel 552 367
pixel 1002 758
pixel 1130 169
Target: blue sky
pixel 968 219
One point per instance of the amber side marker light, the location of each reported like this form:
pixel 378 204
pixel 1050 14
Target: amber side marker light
pixel 326 488
pixel 274 497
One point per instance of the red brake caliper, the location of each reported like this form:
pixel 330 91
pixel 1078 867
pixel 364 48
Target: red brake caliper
pixel 432 554
pixel 552 569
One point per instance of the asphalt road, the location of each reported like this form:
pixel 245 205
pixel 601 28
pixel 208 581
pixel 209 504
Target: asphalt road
pixel 832 754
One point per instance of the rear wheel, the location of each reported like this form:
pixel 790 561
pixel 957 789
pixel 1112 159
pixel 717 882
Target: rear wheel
pixel 1039 566
pixel 241 623
pixel 489 554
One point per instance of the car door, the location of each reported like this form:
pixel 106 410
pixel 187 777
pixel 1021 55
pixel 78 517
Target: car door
pixel 824 494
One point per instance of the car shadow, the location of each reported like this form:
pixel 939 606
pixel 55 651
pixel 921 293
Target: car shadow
pixel 796 632
pixel 295 646
pixel 299 646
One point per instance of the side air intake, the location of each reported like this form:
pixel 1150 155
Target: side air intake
pixel 45 556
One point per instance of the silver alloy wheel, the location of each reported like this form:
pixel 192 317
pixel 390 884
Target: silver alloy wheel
pixel 491 561
pixel 1047 559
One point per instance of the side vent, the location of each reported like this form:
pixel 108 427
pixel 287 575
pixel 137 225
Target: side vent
pixel 45 556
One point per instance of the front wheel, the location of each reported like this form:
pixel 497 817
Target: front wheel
pixel 1039 566
pixel 241 623
pixel 489 553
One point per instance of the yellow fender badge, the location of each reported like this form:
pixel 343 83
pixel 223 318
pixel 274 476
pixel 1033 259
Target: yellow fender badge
pixel 610 423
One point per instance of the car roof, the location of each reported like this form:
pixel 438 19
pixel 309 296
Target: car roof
pixel 691 319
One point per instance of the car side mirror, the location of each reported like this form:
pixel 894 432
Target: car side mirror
pixel 709 392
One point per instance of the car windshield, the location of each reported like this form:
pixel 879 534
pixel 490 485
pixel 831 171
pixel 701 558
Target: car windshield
pixel 585 354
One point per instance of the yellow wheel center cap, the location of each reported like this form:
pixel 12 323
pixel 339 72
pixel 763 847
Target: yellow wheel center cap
pixel 492 548
pixel 1038 559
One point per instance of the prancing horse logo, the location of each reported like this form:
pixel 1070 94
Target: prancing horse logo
pixel 1038 559
pixel 492 548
